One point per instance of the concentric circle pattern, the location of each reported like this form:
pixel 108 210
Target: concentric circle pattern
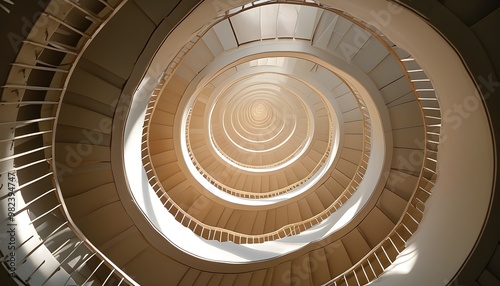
pixel 260 126
pixel 260 121
pixel 271 143
pixel 257 134
pixel 261 129
pixel 245 149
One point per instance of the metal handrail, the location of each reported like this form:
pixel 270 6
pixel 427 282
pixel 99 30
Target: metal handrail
pixel 20 88
pixel 236 237
pixel 414 200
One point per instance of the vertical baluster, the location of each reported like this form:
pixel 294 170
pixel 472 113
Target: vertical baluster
pixel 33 273
pixel 379 262
pixel 386 255
pixel 371 267
pixel 63 261
pixel 345 280
pixel 393 244
pixel 356 276
pixel 93 272
pixel 109 276
pixel 44 214
pixel 364 272
pixel 79 267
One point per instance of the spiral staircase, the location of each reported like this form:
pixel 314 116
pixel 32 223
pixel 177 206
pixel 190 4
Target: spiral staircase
pixel 249 143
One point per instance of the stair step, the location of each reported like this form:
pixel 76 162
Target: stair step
pixel 375 227
pixel 356 245
pixel 488 279
pixel 337 257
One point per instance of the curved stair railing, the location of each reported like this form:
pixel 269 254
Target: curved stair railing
pixel 27 145
pixel 34 89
